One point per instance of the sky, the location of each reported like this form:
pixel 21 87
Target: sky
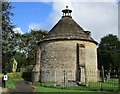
pixel 101 18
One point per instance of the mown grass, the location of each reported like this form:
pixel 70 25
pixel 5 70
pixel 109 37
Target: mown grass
pixel 109 86
pixel 11 82
pixel 12 78
pixel 47 90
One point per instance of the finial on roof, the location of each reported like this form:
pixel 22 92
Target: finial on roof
pixel 66 6
pixel 67 12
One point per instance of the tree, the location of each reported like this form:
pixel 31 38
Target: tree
pixel 21 59
pixel 29 43
pixel 13 43
pixel 7 29
pixel 8 36
pixel 108 52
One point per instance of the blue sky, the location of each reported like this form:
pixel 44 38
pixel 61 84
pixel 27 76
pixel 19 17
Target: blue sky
pixel 26 13
pixel 101 18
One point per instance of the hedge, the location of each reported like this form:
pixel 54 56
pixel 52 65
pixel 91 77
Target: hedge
pixel 25 75
pixel 15 75
pixel 1 75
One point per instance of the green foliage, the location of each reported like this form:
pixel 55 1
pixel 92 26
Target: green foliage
pixel 9 65
pixel 12 78
pixel 11 82
pixel 109 42
pixel 108 52
pixel 26 49
pixel 20 57
pixel 26 68
pixel 8 36
pixel 1 75
pixel 7 29
pixel 29 44
pixel 27 76
pixel 13 44
pixel 111 84
pixel 14 75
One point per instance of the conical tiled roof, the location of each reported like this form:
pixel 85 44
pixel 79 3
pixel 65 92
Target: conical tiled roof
pixel 67 28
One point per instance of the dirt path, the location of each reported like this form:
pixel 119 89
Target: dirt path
pixel 22 86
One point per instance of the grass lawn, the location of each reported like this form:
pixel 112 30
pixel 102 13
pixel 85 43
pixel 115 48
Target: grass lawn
pixel 108 87
pixel 12 78
pixel 11 82
pixel 45 89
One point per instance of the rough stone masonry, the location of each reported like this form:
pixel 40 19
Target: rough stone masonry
pixel 67 52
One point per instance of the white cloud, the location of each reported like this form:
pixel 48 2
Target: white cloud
pixel 35 26
pixel 18 30
pixel 98 17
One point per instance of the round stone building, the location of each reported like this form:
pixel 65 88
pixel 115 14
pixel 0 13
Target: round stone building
pixel 67 52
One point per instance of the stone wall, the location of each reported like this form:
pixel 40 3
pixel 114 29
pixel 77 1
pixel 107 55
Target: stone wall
pixel 91 62
pixel 60 56
pixel 36 69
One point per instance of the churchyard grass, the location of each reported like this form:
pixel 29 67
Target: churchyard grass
pixel 11 82
pixel 46 89
pixel 108 86
pixel 12 78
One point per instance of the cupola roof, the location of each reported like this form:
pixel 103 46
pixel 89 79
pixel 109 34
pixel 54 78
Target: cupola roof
pixel 67 28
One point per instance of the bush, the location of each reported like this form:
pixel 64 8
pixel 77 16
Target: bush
pixel 15 75
pixel 9 65
pixel 26 68
pixel 26 76
pixel 1 75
